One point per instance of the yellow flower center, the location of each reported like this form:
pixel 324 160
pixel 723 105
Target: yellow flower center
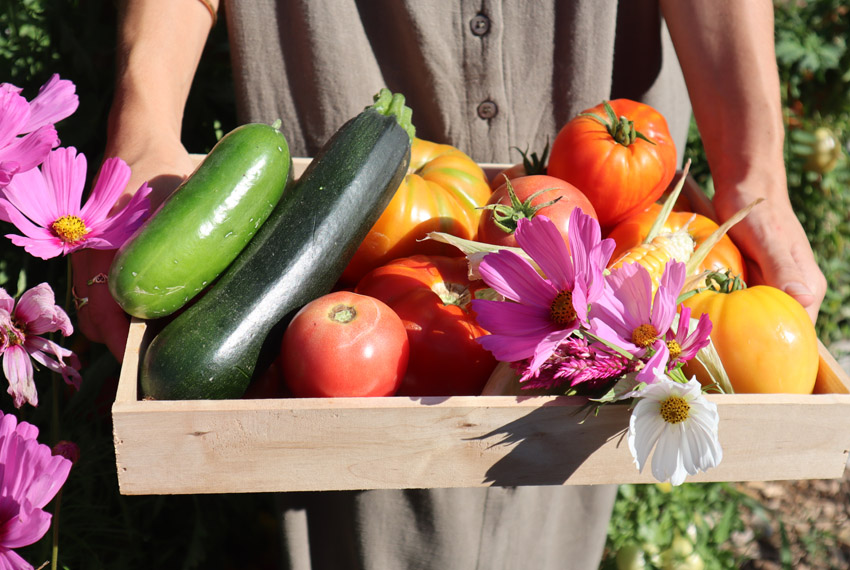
pixel 644 335
pixel 69 229
pixel 674 348
pixel 561 310
pixel 675 410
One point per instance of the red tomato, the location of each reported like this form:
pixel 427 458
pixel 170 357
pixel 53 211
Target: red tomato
pixel 344 344
pixel 497 225
pixel 431 294
pixel 602 153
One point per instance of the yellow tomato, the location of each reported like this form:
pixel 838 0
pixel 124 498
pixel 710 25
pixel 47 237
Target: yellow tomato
pixel 764 338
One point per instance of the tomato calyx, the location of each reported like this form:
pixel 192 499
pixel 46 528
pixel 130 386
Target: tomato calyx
pixel 724 282
pixel 455 294
pixel 506 216
pixel 533 164
pixel 621 129
pixel 342 313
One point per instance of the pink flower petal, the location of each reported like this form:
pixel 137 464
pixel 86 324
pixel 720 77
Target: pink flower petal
pixel 508 349
pixel 513 277
pixel 7 305
pixel 110 183
pixel 541 240
pixel 112 232
pixel 38 309
pixel 11 560
pixel 30 150
pixel 28 193
pixel 14 114
pixel 65 173
pixel 546 347
pixel 584 234
pixel 36 345
pixel 56 100
pixel 46 246
pixel 25 529
pixel 657 362
pixel 18 371
pixel 632 284
pixel 512 318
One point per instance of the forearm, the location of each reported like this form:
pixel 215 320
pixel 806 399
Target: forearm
pixel 159 46
pixel 726 49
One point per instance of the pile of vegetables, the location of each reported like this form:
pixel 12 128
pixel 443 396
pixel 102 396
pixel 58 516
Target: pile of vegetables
pixel 329 285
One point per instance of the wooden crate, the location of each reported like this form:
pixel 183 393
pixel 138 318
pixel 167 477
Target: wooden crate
pixel 235 446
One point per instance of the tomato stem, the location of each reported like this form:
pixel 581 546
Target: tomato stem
pixel 533 164
pixel 452 293
pixel 621 129
pixel 342 314
pixel 506 216
pixel 724 282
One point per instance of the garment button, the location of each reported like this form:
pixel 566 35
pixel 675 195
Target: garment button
pixel 479 25
pixel 487 110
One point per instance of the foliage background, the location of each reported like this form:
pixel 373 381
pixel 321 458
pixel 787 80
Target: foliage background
pixel 75 38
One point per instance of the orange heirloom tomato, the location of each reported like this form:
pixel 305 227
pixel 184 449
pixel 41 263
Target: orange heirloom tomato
pixel 441 193
pixel 633 230
pixel 601 152
pixel 764 338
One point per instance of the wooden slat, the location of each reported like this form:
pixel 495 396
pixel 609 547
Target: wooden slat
pixel 355 443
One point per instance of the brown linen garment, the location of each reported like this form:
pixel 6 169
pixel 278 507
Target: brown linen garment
pixel 484 76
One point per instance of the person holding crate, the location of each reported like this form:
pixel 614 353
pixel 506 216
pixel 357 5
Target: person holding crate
pixel 510 73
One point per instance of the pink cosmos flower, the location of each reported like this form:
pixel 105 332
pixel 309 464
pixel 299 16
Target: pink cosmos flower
pixel 540 312
pixel 30 476
pixel 683 343
pixel 630 317
pixel 56 100
pixel 36 313
pixel 44 204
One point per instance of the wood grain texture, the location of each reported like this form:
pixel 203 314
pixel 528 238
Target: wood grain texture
pixel 232 446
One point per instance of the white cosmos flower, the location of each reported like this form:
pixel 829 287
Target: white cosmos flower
pixel 678 421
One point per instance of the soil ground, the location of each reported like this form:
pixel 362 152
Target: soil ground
pixel 811 518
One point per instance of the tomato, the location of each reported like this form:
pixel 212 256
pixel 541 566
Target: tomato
pixel 602 154
pixel 764 338
pixel 344 344
pixel 531 164
pixel 441 193
pixel 530 194
pixel 431 294
pixel 633 230
pixel 825 151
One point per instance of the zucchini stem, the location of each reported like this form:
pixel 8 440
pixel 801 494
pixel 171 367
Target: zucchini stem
pixel 392 105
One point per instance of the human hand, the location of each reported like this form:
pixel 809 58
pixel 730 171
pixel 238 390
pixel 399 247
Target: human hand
pixel 99 317
pixel 777 249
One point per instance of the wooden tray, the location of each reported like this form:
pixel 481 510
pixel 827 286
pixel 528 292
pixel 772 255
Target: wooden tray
pixel 235 446
pixel 244 446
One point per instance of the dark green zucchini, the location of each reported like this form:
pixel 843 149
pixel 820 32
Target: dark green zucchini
pixel 211 350
pixel 204 224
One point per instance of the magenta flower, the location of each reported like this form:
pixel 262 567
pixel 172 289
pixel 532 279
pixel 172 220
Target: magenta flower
pixel 575 362
pixel 684 344
pixel 540 312
pixel 44 204
pixel 630 317
pixel 56 100
pixel 36 313
pixel 30 476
